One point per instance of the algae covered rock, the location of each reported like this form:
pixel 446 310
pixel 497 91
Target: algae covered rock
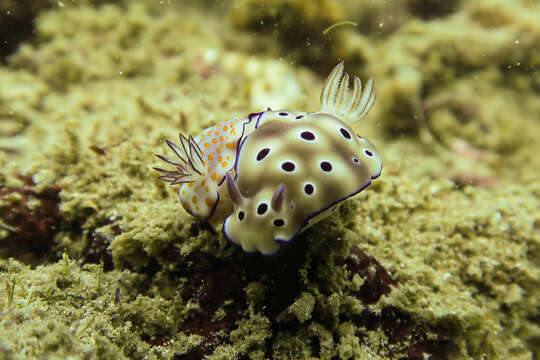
pixel 17 20
pixel 439 260
pixel 428 59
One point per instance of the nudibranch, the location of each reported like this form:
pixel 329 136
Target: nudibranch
pixel 269 176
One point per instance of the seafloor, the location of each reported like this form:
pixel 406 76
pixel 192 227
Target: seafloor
pixel 438 259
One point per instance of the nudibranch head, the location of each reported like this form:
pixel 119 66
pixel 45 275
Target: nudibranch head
pixel 257 217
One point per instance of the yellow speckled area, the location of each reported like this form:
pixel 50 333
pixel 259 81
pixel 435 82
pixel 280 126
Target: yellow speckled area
pixel 437 259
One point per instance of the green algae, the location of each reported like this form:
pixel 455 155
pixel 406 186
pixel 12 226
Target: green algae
pixel 89 101
pixel 83 312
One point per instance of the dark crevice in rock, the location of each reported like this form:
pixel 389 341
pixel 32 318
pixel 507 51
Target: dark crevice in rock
pixel 98 251
pixel 31 219
pixel 429 9
pixel 377 280
pixel 415 338
pixel 14 29
pixel 213 283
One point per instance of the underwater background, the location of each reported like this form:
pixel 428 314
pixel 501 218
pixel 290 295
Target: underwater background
pixel 438 259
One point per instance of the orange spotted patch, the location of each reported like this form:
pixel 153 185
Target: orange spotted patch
pixel 208 202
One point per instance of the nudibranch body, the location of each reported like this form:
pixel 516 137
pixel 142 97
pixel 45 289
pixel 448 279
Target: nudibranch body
pixel 271 175
pixel 290 175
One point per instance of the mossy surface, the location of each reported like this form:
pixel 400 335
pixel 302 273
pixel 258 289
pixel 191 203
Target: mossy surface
pixel 437 259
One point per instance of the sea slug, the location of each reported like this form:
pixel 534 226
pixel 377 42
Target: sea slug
pixel 271 175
